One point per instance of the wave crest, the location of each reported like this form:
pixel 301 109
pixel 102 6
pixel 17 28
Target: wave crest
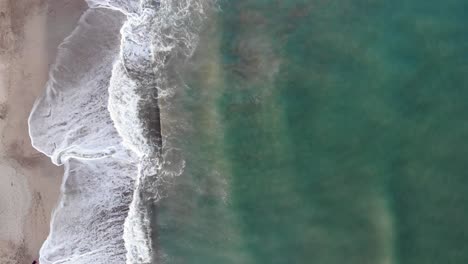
pixel 163 32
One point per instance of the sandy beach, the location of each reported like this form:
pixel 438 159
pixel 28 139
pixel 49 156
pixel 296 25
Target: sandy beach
pixel 30 32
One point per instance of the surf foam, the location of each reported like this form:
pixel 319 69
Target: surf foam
pixel 71 124
pixel 162 33
pixel 100 118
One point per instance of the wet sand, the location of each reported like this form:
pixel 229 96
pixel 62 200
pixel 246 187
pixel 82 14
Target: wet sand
pixel 30 32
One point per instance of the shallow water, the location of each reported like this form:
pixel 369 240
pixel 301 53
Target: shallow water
pixel 324 132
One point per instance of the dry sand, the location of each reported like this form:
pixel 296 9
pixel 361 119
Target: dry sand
pixel 30 31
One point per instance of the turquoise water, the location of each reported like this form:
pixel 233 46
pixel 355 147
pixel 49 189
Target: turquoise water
pixel 323 132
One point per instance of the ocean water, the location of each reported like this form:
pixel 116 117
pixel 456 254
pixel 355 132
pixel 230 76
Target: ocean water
pixel 254 131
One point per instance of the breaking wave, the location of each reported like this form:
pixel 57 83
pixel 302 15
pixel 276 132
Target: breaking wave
pixel 100 117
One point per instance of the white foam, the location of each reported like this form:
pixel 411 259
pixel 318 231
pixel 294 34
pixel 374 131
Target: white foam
pixel 71 124
pixel 102 99
pixel 127 7
pixel 161 33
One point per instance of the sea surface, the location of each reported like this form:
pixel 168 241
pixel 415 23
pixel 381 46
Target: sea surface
pixel 253 131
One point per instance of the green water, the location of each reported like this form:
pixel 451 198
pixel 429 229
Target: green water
pixel 324 132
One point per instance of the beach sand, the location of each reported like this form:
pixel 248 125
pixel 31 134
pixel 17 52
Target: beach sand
pixel 30 32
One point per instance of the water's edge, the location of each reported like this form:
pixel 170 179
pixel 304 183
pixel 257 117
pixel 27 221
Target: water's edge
pixel 100 118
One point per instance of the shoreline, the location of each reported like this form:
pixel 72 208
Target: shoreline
pixel 29 183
